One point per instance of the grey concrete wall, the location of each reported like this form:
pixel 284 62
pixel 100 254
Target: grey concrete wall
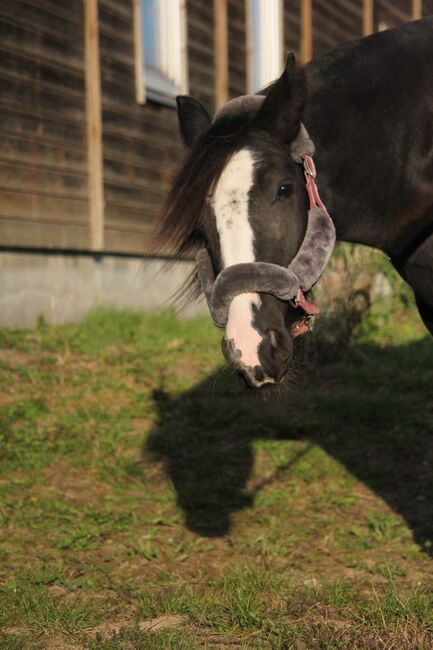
pixel 63 288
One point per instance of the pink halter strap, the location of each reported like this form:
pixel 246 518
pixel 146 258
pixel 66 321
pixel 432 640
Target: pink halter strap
pixel 310 308
pixel 310 177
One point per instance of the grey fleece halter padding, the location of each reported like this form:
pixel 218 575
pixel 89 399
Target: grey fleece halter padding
pixel 262 277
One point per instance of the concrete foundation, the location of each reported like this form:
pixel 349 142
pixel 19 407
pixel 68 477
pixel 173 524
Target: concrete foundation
pixel 64 287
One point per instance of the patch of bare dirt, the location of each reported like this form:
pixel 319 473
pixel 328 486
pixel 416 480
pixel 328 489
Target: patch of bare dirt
pixel 12 356
pixel 109 628
pixel 74 484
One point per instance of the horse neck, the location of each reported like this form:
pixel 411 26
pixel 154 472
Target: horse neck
pixel 369 113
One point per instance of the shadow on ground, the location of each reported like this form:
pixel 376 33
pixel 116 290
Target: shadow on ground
pixel 371 410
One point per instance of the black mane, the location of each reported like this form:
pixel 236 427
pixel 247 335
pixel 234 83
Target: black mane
pixel 179 228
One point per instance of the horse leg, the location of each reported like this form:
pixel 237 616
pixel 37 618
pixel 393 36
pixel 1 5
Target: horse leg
pixel 417 270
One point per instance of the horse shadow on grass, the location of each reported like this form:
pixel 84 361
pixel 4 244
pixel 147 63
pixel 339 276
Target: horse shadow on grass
pixel 372 410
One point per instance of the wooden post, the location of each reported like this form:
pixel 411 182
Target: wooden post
pixel 306 30
pixel 367 17
pixel 416 9
pixel 94 125
pixel 221 53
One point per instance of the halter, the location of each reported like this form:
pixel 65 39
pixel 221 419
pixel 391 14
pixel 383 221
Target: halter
pixel 289 284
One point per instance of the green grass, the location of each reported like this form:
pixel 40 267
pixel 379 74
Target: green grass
pixel 138 482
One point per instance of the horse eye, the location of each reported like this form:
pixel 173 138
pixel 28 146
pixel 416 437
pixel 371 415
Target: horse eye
pixel 284 190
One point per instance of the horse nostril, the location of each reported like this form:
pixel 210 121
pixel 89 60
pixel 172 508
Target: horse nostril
pixel 280 343
pixel 258 373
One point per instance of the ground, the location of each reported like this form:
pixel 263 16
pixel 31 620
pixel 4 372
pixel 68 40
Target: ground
pixel 146 502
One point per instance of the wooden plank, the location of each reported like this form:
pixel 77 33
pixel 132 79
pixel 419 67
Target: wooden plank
pixel 67 12
pixel 134 196
pixel 140 90
pixel 138 174
pixel 27 41
pixel 306 30
pixel 367 17
pixel 221 53
pixel 124 218
pixel 50 209
pixel 28 150
pixel 38 19
pixel 237 48
pixel 31 95
pixel 31 122
pixel 124 241
pixel 37 71
pixel 416 9
pixel 94 125
pixel 34 178
pixel 42 234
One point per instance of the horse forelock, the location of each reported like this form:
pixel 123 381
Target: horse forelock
pixel 180 222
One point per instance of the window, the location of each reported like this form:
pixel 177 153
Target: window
pixel 160 43
pixel 266 42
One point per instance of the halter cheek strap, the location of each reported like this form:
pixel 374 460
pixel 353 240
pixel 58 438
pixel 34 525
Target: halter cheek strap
pixel 310 308
pixel 289 284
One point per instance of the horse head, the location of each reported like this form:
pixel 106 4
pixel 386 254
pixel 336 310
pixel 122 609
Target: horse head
pixel 241 198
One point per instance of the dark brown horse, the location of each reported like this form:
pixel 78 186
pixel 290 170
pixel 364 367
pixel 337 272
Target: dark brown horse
pixel 368 108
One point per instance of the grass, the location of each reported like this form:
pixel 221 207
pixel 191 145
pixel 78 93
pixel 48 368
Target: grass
pixel 141 488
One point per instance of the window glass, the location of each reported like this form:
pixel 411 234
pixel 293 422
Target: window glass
pixel 150 20
pixel 162 33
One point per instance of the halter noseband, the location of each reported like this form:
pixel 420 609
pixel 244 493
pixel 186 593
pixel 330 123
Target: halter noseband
pixel 289 284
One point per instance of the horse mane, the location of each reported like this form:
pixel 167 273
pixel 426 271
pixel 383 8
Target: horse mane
pixel 179 225
pixel 179 229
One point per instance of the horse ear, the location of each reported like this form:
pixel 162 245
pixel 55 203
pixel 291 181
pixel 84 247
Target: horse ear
pixel 194 120
pixel 282 109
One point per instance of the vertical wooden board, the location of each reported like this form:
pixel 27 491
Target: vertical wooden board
pixel 306 30
pixel 416 9
pixel 94 124
pixel 221 52
pixel 367 17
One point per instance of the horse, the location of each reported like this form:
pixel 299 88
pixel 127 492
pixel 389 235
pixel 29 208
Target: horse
pixel 366 110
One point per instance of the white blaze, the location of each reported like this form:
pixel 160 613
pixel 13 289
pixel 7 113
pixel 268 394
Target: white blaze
pixel 230 204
